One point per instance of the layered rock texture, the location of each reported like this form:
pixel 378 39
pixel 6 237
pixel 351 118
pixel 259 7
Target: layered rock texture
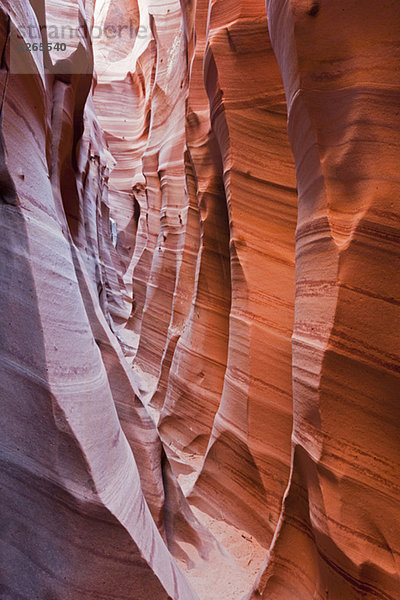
pixel 338 534
pixel 199 288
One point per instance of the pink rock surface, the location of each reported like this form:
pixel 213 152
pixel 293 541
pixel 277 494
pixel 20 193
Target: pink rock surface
pixel 168 375
pixel 75 522
pixel 196 375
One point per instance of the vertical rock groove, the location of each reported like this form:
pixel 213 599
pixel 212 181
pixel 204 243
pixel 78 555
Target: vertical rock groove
pixel 199 299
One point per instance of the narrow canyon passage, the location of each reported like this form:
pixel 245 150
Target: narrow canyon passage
pixel 199 292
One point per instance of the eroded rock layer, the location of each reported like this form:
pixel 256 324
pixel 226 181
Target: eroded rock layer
pixel 247 463
pixel 167 374
pixel 87 502
pixel 338 535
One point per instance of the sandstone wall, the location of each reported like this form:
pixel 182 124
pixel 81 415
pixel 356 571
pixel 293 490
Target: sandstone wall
pixel 338 536
pixel 199 296
pixel 80 453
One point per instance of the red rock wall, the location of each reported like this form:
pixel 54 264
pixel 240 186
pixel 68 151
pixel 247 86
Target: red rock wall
pixel 203 306
pixel 338 535
pixel 196 376
pixel 247 463
pixel 157 339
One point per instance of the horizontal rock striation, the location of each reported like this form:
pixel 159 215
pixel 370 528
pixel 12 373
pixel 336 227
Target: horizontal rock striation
pixel 337 536
pixel 199 299
pixel 87 501
pixel 247 462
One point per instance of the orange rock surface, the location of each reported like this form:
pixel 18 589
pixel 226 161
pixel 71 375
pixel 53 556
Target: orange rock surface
pixel 338 535
pixel 199 293
pixel 247 462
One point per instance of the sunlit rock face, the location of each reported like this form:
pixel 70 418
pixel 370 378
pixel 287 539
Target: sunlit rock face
pixel 199 297
pixel 202 152
pixel 88 501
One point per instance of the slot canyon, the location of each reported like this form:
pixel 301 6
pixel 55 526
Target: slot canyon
pixel 200 300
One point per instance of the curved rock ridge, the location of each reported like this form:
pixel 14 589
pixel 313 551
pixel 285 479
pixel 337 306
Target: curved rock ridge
pixel 148 144
pixel 338 535
pixel 199 292
pixel 89 507
pixel 208 286
pixel 196 375
pixel 247 462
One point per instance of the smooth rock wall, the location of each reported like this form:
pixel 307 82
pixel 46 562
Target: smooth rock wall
pixel 338 535
pixel 77 444
pixel 247 463
pixel 199 300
